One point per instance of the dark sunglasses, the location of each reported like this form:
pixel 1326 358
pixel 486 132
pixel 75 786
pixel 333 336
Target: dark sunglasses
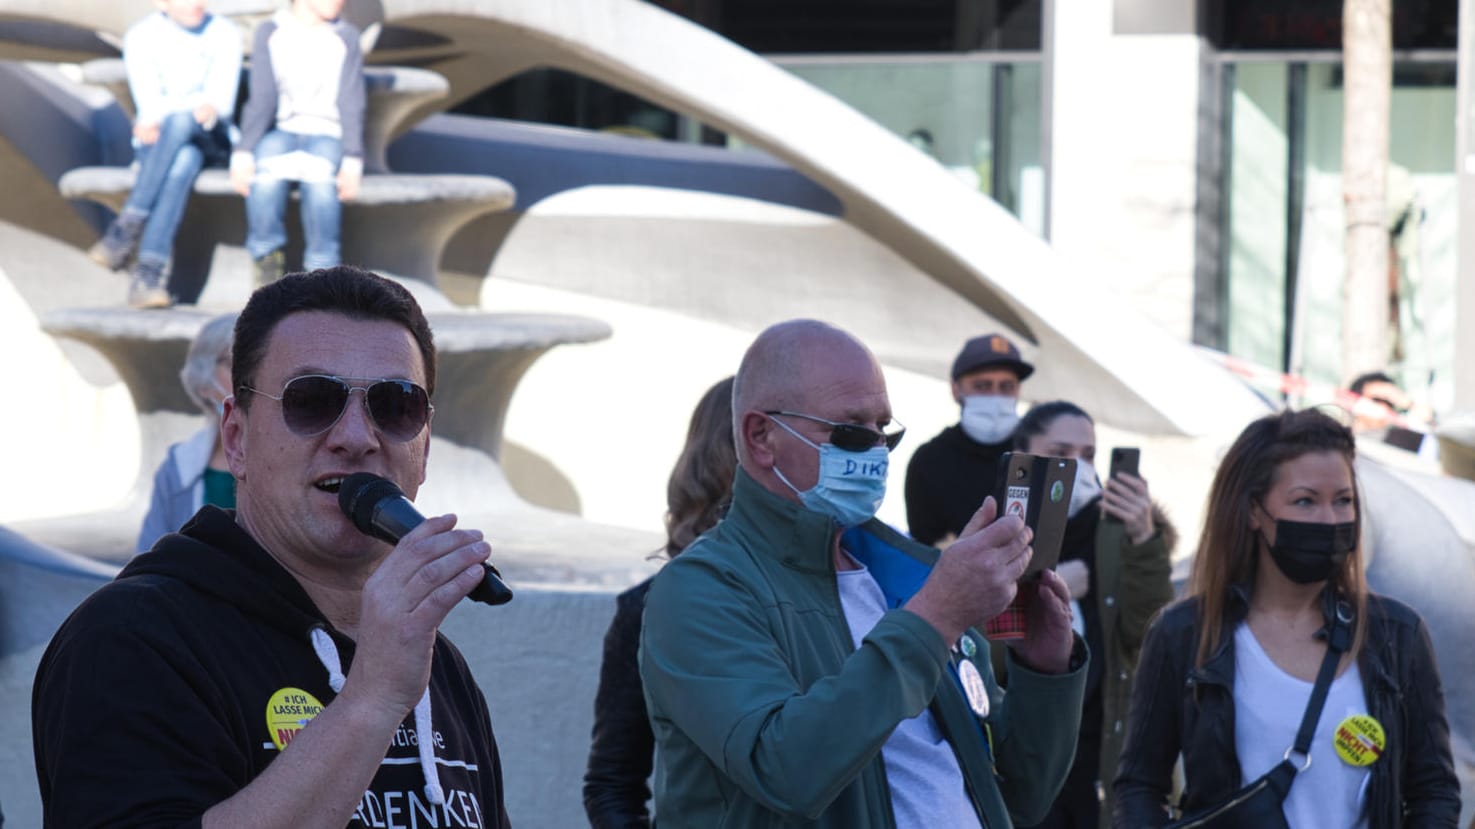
pixel 312 403
pixel 853 437
pixel 1394 407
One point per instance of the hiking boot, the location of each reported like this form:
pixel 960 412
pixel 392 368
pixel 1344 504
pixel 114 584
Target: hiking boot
pixel 118 242
pixel 148 286
pixel 270 268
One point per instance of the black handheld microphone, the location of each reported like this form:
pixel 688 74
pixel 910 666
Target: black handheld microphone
pixel 378 508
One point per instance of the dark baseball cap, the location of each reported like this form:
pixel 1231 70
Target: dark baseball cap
pixel 990 351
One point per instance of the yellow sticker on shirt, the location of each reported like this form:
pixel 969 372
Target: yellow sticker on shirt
pixel 288 712
pixel 1360 740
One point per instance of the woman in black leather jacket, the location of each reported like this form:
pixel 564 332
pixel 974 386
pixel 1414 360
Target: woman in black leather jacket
pixel 1279 553
pixel 622 748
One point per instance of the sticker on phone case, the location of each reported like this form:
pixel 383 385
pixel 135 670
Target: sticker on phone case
pixel 1016 501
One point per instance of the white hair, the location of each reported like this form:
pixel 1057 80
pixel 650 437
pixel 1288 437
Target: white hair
pixel 209 347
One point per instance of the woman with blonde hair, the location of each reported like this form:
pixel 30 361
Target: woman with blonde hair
pixel 697 495
pixel 1281 664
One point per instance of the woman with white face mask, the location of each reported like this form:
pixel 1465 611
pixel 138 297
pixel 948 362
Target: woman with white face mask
pixel 1115 558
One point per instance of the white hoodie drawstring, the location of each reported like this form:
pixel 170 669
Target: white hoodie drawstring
pixel 425 739
pixel 322 645
pixel 327 652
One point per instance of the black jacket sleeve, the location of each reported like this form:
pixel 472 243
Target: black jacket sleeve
pixel 615 790
pixel 1144 778
pixel 1431 792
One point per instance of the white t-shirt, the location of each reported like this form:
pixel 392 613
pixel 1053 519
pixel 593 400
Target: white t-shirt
pixel 1268 706
pixel 927 789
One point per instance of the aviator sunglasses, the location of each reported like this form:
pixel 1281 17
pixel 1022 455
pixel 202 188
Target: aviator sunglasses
pixel 853 437
pixel 312 403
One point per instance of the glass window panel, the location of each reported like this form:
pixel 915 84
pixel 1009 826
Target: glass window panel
pixel 1023 183
pixel 980 120
pixel 942 107
pixel 554 96
pixel 1258 189
pixel 1422 219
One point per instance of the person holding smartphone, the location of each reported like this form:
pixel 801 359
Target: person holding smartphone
pixel 1226 677
pixel 1115 559
pixel 805 664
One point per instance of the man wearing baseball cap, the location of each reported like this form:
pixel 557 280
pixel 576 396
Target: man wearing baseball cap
pixel 950 475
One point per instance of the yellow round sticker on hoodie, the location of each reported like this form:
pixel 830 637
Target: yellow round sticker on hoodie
pixel 288 712
pixel 1360 740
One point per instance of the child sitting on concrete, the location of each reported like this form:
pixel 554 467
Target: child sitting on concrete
pixel 303 122
pixel 184 66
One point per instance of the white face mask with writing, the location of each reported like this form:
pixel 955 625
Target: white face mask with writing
pixel 1087 487
pixel 989 418
pixel 851 485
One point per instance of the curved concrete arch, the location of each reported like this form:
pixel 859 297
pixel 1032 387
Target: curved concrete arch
pixel 1133 373
pixel 888 190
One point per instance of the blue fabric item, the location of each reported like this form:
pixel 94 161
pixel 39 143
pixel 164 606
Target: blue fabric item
pixel 166 175
pixel 322 214
pixel 899 575
pixel 851 485
pixel 179 486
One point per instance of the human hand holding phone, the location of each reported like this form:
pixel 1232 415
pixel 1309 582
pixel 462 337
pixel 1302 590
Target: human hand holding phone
pixel 977 576
pixel 1126 497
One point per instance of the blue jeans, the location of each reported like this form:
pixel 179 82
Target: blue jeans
pixel 166 175
pixel 322 215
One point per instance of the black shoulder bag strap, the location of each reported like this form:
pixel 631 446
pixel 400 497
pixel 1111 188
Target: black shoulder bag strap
pixel 1338 639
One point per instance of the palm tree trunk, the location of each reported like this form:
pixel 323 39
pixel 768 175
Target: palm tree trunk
pixel 1367 49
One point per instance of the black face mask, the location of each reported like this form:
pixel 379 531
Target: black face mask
pixel 1309 552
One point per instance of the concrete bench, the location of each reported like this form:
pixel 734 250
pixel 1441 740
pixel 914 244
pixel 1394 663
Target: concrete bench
pixel 398 225
pixel 395 93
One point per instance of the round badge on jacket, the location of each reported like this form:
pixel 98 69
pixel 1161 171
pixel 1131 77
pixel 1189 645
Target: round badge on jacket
pixel 287 712
pixel 974 688
pixel 1360 740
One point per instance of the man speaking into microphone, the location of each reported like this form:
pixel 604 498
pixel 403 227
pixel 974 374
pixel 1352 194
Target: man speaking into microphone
pixel 276 666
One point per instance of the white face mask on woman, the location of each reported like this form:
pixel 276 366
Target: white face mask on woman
pixel 1087 487
pixel 989 418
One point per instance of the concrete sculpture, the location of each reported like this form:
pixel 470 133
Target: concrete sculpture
pixel 968 247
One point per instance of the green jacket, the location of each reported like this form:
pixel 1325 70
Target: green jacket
pixel 1133 582
pixel 766 715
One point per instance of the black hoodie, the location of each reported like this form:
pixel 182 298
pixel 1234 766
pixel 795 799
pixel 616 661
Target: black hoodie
pixel 170 689
pixel 946 482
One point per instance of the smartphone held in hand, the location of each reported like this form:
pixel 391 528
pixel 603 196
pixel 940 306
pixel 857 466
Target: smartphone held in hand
pixel 1125 459
pixel 1037 489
